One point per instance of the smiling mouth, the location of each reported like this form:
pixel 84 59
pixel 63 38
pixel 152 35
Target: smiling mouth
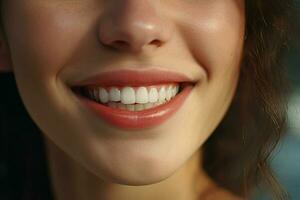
pixel 134 100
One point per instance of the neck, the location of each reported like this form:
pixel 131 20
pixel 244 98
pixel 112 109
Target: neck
pixel 70 180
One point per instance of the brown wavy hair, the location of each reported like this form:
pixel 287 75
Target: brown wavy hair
pixel 242 144
pixel 236 155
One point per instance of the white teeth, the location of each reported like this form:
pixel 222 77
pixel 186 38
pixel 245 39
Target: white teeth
pixel 103 95
pixel 127 95
pixel 142 95
pixel 130 107
pixel 161 102
pixel 153 95
pixel 138 107
pixel 162 94
pixel 134 98
pixel 148 105
pixel 175 90
pixel 114 94
pixel 133 107
pixel 169 93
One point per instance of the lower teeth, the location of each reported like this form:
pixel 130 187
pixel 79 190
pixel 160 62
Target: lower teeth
pixel 133 107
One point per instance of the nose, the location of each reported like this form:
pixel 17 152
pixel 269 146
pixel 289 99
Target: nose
pixel 132 25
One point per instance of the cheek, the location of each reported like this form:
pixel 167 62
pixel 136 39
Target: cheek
pixel 215 38
pixel 49 34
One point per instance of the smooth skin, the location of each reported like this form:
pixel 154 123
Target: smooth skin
pixel 54 43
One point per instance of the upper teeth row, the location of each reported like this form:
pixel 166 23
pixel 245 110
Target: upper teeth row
pixel 131 95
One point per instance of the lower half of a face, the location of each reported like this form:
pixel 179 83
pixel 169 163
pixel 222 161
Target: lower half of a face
pixel 52 46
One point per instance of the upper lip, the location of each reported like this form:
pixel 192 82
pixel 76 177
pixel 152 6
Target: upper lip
pixel 134 77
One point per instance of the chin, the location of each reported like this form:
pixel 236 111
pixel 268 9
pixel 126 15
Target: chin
pixel 137 173
pixel 131 180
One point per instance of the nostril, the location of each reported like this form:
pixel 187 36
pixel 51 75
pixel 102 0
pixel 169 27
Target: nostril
pixel 157 43
pixel 123 44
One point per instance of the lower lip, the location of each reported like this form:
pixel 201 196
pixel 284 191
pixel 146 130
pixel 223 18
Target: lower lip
pixel 135 120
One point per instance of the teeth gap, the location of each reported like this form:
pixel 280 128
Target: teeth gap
pixel 77 90
pixel 180 88
pixel 83 92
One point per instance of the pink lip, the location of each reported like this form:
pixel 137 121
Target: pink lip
pixel 134 120
pixel 134 78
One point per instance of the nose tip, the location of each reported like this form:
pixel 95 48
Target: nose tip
pixel 132 26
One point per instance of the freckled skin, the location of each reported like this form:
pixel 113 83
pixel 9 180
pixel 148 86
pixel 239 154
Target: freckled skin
pixel 53 43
